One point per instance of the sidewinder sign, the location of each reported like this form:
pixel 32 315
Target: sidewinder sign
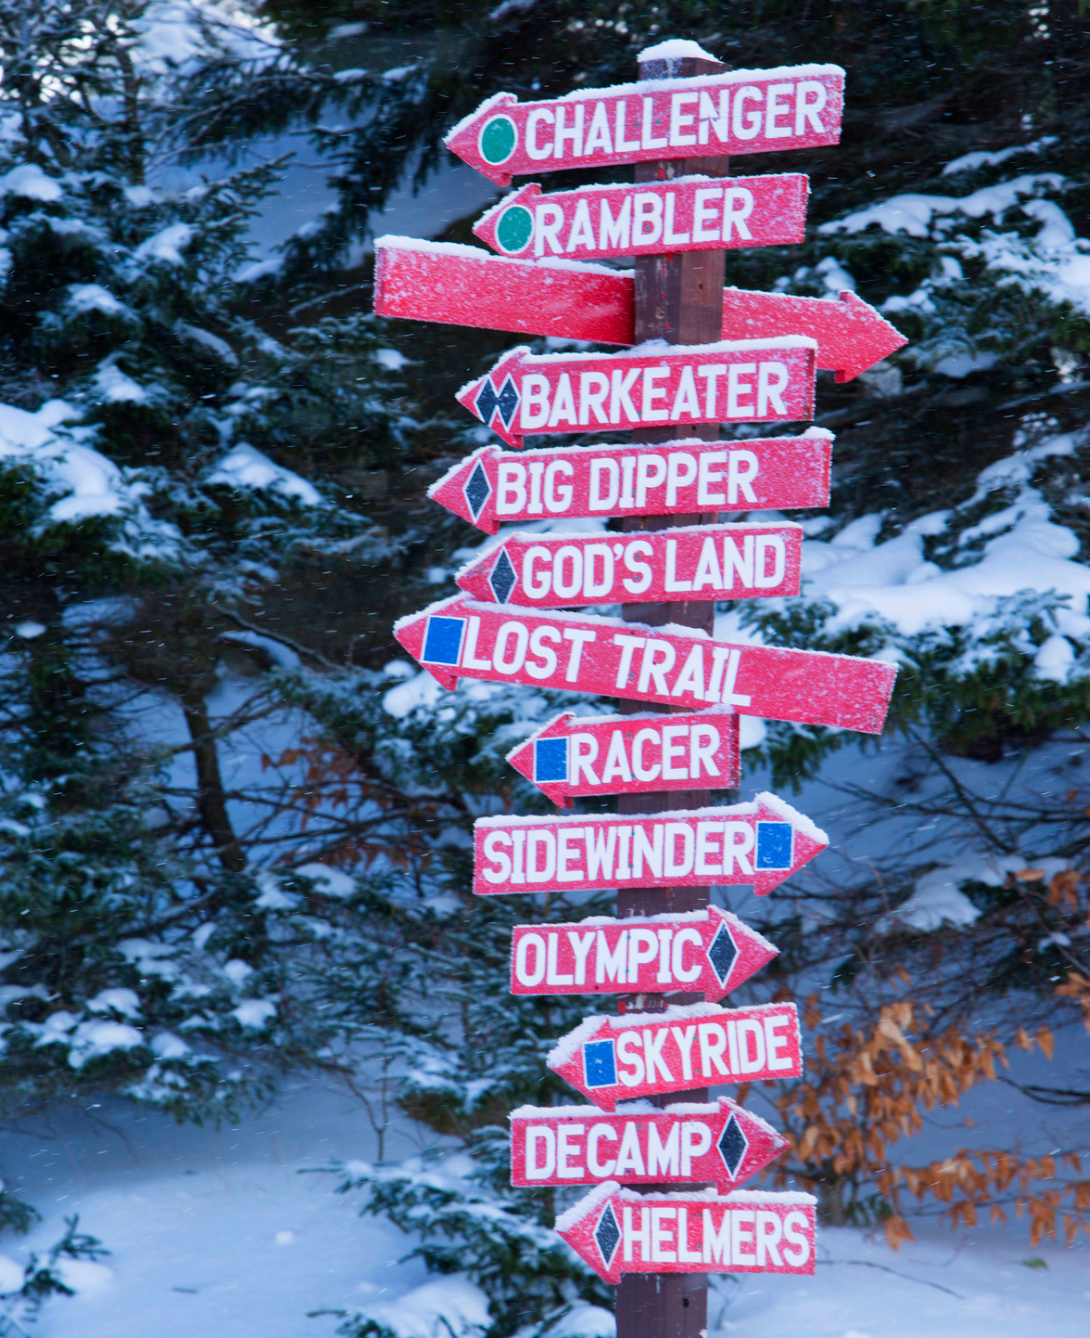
pixel 619 1231
pixel 744 111
pixel 651 385
pixel 492 486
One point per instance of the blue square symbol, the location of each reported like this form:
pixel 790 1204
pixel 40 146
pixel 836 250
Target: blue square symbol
pixel 599 1064
pixel 774 845
pixel 443 640
pixel 551 760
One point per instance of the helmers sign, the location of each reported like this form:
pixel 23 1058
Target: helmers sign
pixel 744 111
pixel 619 1231
pixel 492 486
pixel 710 950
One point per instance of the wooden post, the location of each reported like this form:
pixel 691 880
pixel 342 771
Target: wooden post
pixel 679 298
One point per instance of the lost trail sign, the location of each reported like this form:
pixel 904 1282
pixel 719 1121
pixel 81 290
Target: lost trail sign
pixel 492 486
pixel 630 754
pixel 694 213
pixel 717 1142
pixel 560 570
pixel 651 385
pixel 710 951
pixel 618 1231
pixel 744 111
pixel 671 665
pixel 609 1059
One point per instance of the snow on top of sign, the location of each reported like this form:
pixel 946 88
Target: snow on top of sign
pixel 675 48
pixel 792 815
pixel 586 1204
pixel 739 1196
pixel 659 347
pixel 513 610
pixel 569 1045
pixel 680 84
pixel 392 241
pixel 641 1106
pixel 510 820
pixel 671 917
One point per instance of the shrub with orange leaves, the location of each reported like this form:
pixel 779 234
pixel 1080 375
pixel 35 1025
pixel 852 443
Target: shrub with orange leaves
pixel 867 1088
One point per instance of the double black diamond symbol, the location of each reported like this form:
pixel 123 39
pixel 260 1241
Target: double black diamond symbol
pixel 505 403
pixel 477 490
pixel 723 953
pixel 732 1146
pixel 503 577
pixel 608 1234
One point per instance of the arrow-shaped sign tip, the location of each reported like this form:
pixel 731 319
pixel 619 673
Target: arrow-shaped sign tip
pixel 487 138
pixel 876 337
pixel 508 227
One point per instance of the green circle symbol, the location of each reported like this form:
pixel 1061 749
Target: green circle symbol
pixel 515 228
pixel 498 139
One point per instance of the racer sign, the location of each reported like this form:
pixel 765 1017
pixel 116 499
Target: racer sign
pixel 641 1144
pixel 673 666
pixel 619 1231
pixel 493 486
pixel 656 384
pixel 709 950
pixel 693 213
pixel 761 843
pixel 630 754
pixel 611 1059
pixel 743 111
pixel 548 571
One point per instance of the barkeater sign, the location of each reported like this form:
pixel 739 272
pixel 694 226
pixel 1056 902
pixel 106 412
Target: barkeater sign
pixel 610 1059
pixel 671 665
pixel 630 754
pixel 710 950
pixel 557 570
pixel 656 384
pixel 760 844
pixel 743 111
pixel 463 285
pixel 692 213
pixel 492 486
pixel 619 1231
pixel 641 1144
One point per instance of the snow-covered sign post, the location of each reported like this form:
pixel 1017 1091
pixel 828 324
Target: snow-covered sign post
pixel 703 355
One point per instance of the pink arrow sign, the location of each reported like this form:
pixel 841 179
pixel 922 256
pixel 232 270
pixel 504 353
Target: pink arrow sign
pixel 549 571
pixel 743 111
pixel 709 950
pixel 631 754
pixel 693 213
pixel 610 1059
pixel 733 381
pixel 493 486
pixel 717 1142
pixel 618 1231
pixel 671 666
pixel 462 285
pixel 760 844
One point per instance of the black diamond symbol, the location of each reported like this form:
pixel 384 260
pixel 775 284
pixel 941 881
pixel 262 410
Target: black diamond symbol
pixel 477 490
pixel 503 577
pixel 607 1233
pixel 732 1146
pixel 488 402
pixel 723 953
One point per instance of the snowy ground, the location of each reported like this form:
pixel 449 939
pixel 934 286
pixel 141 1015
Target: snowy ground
pixel 219 1234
